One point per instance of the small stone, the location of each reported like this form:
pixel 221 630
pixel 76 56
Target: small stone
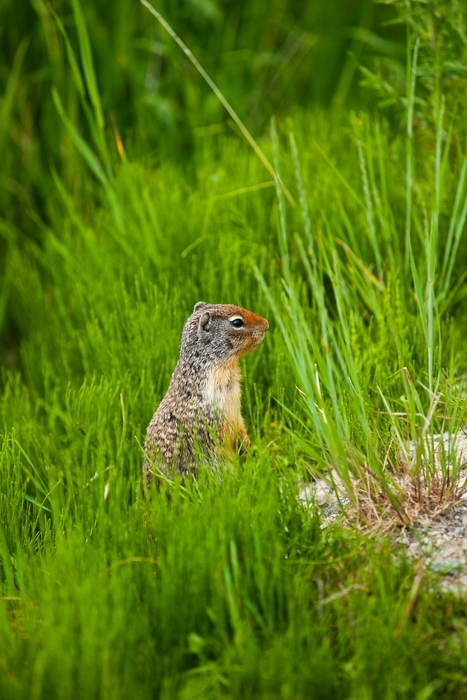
pixel 447 567
pixel 459 531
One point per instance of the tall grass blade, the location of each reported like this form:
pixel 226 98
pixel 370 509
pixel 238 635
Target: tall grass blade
pixel 90 159
pixel 88 64
pixel 244 131
pixel 7 102
pixel 411 82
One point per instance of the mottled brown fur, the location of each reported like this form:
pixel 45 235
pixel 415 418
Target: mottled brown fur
pixel 200 415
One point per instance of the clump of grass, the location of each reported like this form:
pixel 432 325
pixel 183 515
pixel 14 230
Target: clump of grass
pixel 372 346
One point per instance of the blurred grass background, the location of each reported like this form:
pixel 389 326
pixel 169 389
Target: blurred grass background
pixel 266 57
pixel 127 195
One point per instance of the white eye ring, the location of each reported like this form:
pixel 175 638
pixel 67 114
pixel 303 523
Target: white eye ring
pixel 237 322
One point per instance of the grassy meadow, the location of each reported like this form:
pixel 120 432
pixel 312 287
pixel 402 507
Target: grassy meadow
pixel 128 195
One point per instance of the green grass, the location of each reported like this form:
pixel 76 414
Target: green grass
pixel 230 588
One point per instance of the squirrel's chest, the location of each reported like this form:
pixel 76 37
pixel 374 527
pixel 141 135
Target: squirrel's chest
pixel 223 392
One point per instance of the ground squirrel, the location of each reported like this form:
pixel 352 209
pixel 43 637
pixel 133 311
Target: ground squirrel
pixel 200 413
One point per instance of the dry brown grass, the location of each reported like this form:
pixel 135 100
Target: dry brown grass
pixel 417 490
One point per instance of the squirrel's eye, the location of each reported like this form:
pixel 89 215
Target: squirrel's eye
pixel 237 323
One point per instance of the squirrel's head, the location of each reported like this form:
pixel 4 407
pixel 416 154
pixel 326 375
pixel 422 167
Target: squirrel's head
pixel 222 332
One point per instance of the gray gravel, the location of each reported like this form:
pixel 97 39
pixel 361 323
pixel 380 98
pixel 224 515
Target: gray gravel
pixel 440 542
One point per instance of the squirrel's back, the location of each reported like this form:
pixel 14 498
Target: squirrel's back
pixel 200 414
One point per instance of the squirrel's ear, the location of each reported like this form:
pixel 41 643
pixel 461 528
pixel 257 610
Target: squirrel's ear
pixel 205 323
pixel 199 305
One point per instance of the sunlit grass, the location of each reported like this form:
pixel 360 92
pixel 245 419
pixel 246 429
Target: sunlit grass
pixel 229 587
pixel 225 589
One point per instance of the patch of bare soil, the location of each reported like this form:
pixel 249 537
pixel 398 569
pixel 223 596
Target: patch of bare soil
pixel 442 545
pixel 430 517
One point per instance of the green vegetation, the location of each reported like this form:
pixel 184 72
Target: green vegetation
pixel 230 589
